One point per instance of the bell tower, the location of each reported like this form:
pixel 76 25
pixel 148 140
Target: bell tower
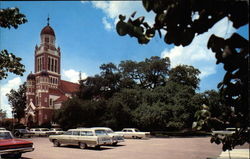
pixel 47 73
pixel 48 58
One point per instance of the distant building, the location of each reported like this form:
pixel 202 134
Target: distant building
pixel 45 89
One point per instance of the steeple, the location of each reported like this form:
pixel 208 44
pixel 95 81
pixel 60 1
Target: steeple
pixel 48 20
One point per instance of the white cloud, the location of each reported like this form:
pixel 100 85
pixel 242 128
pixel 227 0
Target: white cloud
pixel 84 2
pixel 73 76
pixel 113 9
pixel 196 53
pixel 5 88
pixel 107 25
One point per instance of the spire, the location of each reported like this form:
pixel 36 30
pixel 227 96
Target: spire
pixel 80 76
pixel 48 20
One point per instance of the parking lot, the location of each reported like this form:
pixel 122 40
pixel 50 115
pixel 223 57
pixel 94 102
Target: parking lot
pixel 153 148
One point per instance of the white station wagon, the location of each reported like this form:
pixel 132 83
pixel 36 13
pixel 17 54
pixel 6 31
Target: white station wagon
pixel 86 137
pixel 133 133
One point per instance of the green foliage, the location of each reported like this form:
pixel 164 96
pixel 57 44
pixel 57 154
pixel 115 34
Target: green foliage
pixel 134 94
pixel 185 75
pixel 10 17
pixel 149 73
pixel 177 19
pixel 2 114
pixel 80 113
pixel 10 63
pixel 17 100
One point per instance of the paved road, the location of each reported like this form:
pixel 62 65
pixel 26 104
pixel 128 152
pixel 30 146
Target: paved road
pixel 153 148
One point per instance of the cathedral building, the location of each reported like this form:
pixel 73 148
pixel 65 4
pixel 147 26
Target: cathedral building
pixel 45 89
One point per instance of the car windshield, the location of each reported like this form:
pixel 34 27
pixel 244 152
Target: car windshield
pixel 5 135
pixel 68 133
pixel 100 132
pixel 136 130
pixel 22 130
pixel 109 131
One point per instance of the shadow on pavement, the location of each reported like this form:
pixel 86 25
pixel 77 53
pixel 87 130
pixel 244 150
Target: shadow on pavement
pixel 88 148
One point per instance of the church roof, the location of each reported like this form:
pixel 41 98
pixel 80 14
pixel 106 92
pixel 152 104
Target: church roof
pixel 31 76
pixel 48 30
pixel 69 87
pixel 61 99
pixel 55 91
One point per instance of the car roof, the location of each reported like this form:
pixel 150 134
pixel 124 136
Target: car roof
pixel 82 129
pixel 4 131
pixel 100 128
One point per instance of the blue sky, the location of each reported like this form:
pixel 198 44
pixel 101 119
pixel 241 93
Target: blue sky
pixel 85 32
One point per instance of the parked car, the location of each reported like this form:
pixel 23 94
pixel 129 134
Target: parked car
pixel 227 132
pixel 40 131
pixel 133 133
pixel 84 138
pixel 116 138
pixel 11 147
pixel 22 133
pixel 55 131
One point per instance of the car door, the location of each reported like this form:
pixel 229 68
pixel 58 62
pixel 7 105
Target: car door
pixel 65 139
pixel 125 133
pixel 74 138
pixel 130 133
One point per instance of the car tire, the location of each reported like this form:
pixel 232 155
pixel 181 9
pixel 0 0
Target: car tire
pixel 17 156
pixel 97 147
pixel 56 143
pixel 115 143
pixel 12 156
pixel 82 145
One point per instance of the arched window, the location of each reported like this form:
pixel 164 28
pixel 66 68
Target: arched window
pixel 49 63
pixel 51 102
pixel 56 65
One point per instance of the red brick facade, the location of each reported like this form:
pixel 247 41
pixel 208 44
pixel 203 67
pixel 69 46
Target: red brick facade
pixel 45 89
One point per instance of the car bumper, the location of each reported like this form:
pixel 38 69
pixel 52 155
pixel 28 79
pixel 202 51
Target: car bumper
pixel 15 151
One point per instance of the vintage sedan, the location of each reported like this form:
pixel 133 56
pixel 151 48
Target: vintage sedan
pixel 84 138
pixel 55 131
pixel 133 133
pixel 40 131
pixel 11 147
pixel 116 138
pixel 22 133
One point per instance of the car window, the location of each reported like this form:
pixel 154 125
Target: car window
pixel 136 130
pixel 68 133
pixel 5 135
pixel 23 131
pixel 89 133
pixel 83 133
pixel 100 132
pixel 124 130
pixel 129 131
pixel 77 133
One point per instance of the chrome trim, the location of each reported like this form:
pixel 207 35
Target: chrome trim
pixel 22 150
